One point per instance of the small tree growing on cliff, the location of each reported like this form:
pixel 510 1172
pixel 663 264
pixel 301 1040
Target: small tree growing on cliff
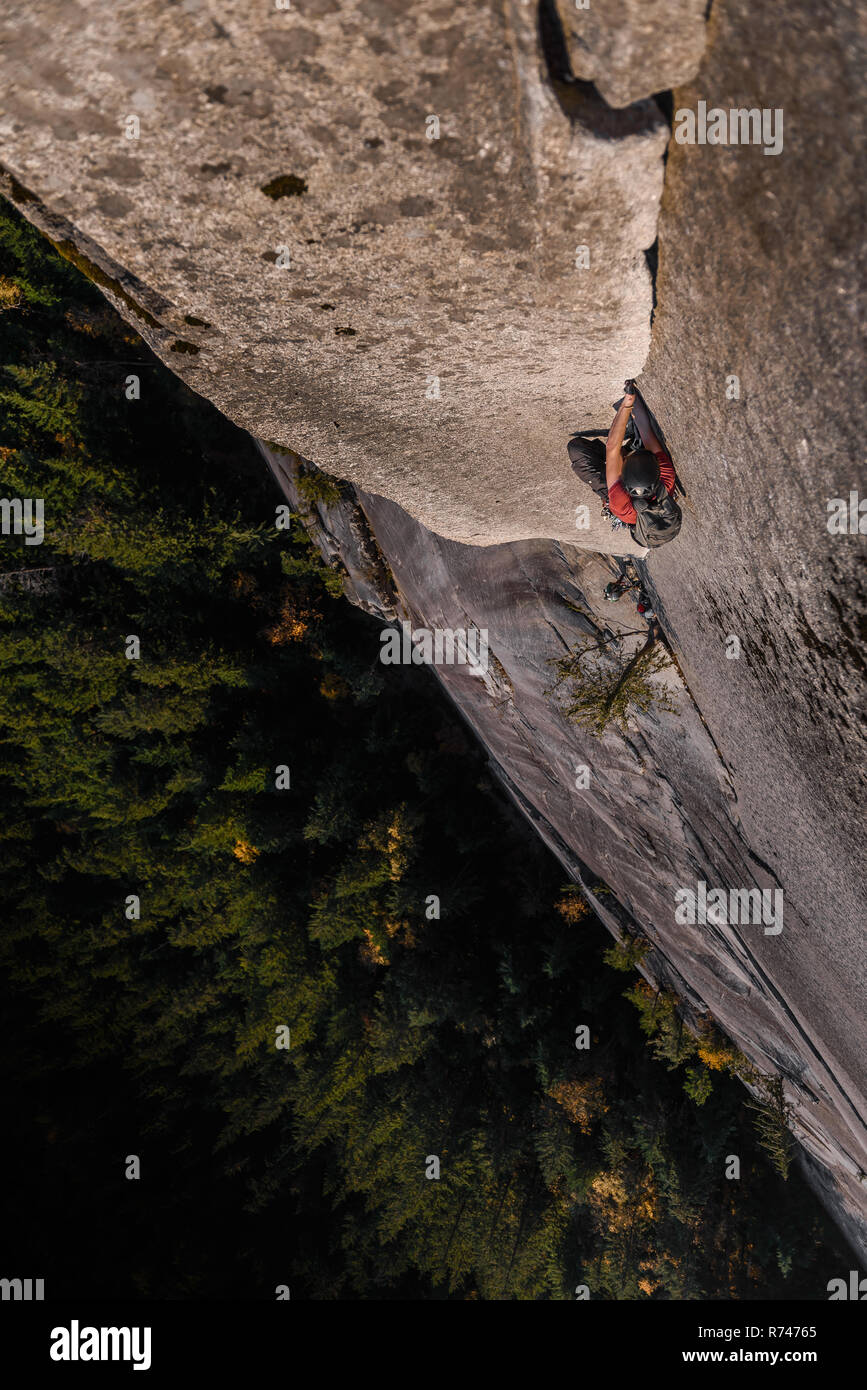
pixel 772 1113
pixel 661 1021
pixel 597 692
pixel 627 954
pixel 572 905
pixel 318 486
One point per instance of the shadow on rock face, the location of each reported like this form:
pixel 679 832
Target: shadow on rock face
pixel 580 100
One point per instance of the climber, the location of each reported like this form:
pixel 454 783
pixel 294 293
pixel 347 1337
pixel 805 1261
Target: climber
pixel 636 489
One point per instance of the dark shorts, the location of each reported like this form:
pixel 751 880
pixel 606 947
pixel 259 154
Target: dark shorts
pixel 588 461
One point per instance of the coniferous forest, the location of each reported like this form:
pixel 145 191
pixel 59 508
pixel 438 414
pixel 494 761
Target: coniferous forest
pixel 172 907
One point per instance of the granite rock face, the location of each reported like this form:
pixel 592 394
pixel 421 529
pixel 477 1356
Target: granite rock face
pixel 761 261
pixel 455 258
pixel 429 317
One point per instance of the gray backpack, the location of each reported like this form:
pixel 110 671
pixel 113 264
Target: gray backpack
pixel 658 519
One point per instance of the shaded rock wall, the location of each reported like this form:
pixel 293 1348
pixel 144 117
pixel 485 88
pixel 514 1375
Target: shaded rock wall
pixel 662 809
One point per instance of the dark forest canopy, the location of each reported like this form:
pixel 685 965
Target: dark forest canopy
pixel 411 1035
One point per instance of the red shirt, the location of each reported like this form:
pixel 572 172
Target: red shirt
pixel 619 501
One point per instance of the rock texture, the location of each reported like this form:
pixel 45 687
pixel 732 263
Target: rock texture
pixel 408 311
pixel 633 48
pixel 761 260
pixel 455 258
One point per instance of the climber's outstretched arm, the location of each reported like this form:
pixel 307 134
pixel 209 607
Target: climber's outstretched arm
pixel 614 442
pixel 645 428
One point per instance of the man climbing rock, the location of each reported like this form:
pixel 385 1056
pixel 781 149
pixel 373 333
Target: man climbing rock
pixel 636 487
